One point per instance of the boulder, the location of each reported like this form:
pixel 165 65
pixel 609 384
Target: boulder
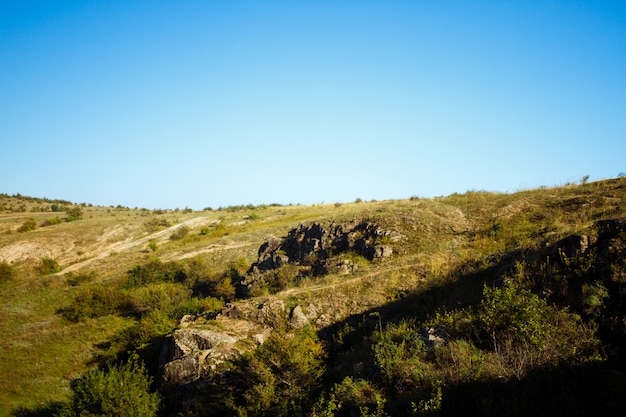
pixel 571 246
pixel 434 336
pixel 382 251
pixel 191 354
pixel 298 319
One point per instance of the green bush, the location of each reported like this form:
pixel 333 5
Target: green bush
pixel 28 225
pixel 157 224
pixel 47 266
pixel 359 397
pixel 399 354
pixel 283 376
pixel 52 222
pixel 120 391
pixel 7 272
pixel 75 279
pixel 153 324
pixel 180 233
pixel 75 213
pixel 155 271
pixel 515 314
pixel 97 302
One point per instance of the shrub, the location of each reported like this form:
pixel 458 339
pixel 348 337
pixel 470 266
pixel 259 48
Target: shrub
pixel 514 314
pixel 157 224
pixel 180 233
pixel 96 302
pixel 75 213
pixel 155 271
pixel 28 225
pixel 74 279
pixel 47 266
pixel 122 390
pixel 7 272
pixel 399 354
pixel 154 324
pixel 51 222
pixel 284 375
pixel 359 397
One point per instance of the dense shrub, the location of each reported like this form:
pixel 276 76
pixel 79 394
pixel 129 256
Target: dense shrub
pixel 283 376
pixel 51 222
pixel 47 266
pixel 28 225
pixel 175 300
pixel 97 302
pixel 122 391
pixel 155 271
pixel 157 224
pixel 180 233
pixel 75 279
pixel 7 272
pixel 516 314
pixel 75 213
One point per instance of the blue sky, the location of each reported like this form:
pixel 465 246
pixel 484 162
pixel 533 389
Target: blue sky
pixel 164 104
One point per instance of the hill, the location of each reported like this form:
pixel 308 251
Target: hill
pixel 486 303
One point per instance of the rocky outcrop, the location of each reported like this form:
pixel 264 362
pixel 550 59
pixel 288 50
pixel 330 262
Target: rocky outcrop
pixel 193 353
pixel 611 253
pixel 434 336
pixel 571 246
pixel 196 351
pixel 317 249
pixel 320 241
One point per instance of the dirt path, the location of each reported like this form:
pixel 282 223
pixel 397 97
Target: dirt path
pixel 129 243
pixel 320 287
pixel 208 249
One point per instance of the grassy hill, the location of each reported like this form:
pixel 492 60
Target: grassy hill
pixel 84 286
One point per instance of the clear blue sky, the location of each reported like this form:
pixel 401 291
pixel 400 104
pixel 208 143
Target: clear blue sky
pixel 166 104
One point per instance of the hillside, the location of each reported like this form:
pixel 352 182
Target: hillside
pixel 481 303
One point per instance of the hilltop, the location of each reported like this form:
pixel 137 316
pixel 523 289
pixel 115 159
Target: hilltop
pixel 477 301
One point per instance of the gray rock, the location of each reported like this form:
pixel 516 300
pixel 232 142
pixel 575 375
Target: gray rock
pixel 434 336
pixel 382 251
pixel 298 319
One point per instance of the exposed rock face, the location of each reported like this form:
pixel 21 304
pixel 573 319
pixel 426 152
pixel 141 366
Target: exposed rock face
pixel 571 246
pixel 608 249
pixel 268 312
pixel 190 354
pixel 316 239
pixel 611 252
pixel 317 249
